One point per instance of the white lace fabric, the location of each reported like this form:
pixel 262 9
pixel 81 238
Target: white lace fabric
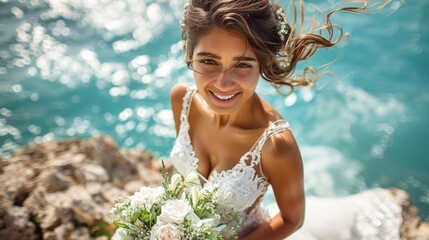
pixel 368 215
pixel 240 187
pixel 182 156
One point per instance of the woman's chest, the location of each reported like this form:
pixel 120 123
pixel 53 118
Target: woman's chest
pixel 219 150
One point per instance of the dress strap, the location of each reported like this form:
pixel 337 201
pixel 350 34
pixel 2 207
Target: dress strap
pixel 182 155
pixel 254 155
pixel 187 99
pixel 275 127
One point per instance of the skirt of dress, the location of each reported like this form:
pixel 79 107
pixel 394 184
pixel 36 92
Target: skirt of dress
pixel 369 215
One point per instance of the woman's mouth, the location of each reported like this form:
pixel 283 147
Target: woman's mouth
pixel 224 97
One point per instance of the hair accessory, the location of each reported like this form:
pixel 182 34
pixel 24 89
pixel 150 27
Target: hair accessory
pixel 281 24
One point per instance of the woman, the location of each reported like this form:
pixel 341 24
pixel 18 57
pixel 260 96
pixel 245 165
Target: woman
pixel 227 133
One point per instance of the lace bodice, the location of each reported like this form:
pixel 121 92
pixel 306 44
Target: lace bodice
pixel 241 187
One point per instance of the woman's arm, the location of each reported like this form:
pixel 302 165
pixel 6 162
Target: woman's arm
pixel 282 165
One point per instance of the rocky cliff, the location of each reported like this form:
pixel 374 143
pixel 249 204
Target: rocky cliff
pixel 65 190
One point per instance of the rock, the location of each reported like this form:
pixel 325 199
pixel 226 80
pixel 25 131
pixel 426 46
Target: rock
pixel 55 180
pixel 69 232
pixel 133 186
pixel 2 164
pixel 112 193
pixel 51 219
pixel 15 224
pixel 66 189
pixel 412 228
pixel 95 173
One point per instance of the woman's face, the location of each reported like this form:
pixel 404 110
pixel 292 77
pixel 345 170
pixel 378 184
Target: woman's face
pixel 226 70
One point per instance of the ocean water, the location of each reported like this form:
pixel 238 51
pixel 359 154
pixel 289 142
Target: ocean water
pixel 76 68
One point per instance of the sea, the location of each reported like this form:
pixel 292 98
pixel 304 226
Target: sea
pixel 79 68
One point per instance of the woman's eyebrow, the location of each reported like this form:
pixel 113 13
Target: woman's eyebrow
pixel 207 54
pixel 244 58
pixel 240 58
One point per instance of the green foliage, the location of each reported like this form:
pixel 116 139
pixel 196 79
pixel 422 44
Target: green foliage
pixel 165 183
pixel 206 205
pixel 34 218
pixel 99 228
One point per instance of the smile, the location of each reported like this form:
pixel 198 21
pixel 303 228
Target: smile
pixel 224 97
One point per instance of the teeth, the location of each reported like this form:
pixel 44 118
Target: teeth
pixel 224 97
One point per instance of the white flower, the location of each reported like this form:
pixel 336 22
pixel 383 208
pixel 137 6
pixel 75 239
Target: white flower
pixel 193 179
pixel 147 196
pixel 122 234
pixel 195 197
pixel 193 218
pixel 164 231
pixel 174 211
pixel 208 222
pixel 208 187
pixel 175 180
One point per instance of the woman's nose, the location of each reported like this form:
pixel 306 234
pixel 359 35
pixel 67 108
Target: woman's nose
pixel 224 80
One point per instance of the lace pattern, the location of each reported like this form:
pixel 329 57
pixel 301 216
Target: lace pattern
pixel 240 187
pixel 253 156
pixel 182 156
pixel 241 184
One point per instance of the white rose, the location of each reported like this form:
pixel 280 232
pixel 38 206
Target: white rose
pixel 122 234
pixel 174 211
pixel 147 196
pixel 164 231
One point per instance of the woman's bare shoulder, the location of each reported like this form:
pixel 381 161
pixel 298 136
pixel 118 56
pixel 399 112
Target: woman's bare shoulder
pixel 281 154
pixel 178 91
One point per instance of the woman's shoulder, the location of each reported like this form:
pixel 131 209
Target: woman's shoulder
pixel 178 91
pixel 281 151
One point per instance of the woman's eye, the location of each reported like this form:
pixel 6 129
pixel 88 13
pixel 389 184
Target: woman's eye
pixel 243 65
pixel 208 62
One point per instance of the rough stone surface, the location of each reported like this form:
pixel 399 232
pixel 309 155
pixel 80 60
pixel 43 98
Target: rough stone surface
pixel 65 190
pixel 412 228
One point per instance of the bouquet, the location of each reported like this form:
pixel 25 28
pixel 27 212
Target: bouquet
pixel 179 209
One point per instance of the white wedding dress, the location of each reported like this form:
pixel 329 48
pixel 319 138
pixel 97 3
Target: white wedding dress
pixel 370 215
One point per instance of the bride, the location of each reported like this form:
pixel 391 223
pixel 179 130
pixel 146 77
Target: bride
pixel 237 141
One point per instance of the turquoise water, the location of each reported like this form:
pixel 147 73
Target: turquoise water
pixel 75 68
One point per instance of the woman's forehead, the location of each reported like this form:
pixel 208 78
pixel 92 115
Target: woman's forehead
pixel 224 43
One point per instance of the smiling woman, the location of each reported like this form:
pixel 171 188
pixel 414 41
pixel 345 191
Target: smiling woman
pixel 238 142
pixel 75 68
